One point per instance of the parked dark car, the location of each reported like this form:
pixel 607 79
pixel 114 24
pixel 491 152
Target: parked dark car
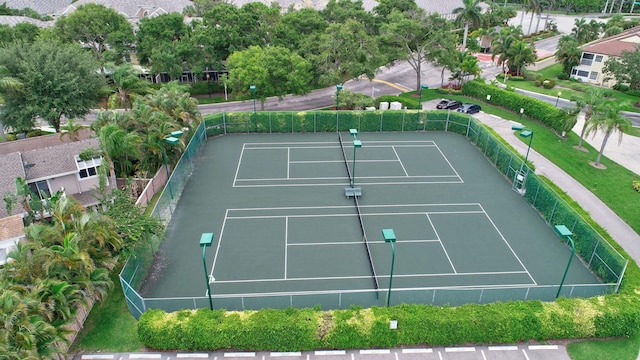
pixel 448 104
pixel 469 108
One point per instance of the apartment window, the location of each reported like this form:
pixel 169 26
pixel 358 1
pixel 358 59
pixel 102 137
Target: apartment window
pixel 583 73
pixel 88 168
pixel 594 75
pixel 41 188
pixel 587 59
pixel 599 58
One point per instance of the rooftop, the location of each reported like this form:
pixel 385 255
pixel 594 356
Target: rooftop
pixel 628 40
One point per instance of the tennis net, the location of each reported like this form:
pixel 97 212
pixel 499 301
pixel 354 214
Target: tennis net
pixel 366 245
pixel 344 155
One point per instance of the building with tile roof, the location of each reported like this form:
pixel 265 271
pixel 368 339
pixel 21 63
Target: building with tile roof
pixel 15 20
pixel 49 164
pixel 596 53
pixel 134 9
pixel 42 7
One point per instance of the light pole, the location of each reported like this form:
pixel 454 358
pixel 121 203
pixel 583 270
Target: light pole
pixel 390 237
pixel 171 139
pixel 209 84
pixel 338 89
pixel 524 133
pixel 252 89
pixel 564 232
pixel 356 145
pixel 558 98
pixel 205 241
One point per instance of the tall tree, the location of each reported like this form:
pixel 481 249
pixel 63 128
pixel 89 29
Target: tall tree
pixel 416 38
pixel 8 84
pixel 589 102
pixel 469 14
pixel 274 71
pixel 107 32
pixel 347 50
pixel 519 55
pixel 127 85
pixel 625 68
pixel 609 120
pixel 568 53
pixel 296 26
pixel 58 80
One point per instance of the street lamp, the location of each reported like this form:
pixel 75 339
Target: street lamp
pixel 423 87
pixel 338 89
pixel 252 89
pixel 564 232
pixel 354 133
pixel 356 145
pixel 390 237
pixel 171 139
pixel 524 133
pixel 208 84
pixel 558 98
pixel 205 241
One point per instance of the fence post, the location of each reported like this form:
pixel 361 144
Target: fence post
pixel 224 122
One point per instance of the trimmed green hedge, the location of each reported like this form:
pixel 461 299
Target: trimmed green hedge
pixel 547 114
pixel 306 329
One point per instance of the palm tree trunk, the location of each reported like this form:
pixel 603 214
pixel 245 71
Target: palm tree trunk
pixel 442 77
pixel 606 5
pixel 538 23
pixel 522 17
pixel 620 8
pixel 547 18
pixel 2 134
pixel 530 23
pixel 464 37
pixel 604 143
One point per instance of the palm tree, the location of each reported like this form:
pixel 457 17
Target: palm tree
pixel 609 120
pixel 590 103
pixel 470 14
pixel 127 85
pixel 568 53
pixel 500 47
pixel 469 65
pixel 534 7
pixel 121 147
pixel 519 55
pixel 71 129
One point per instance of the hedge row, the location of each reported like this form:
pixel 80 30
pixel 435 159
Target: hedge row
pixel 547 114
pixel 307 329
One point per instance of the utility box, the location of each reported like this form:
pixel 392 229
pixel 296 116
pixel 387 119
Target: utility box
pixel 395 105
pixel 384 105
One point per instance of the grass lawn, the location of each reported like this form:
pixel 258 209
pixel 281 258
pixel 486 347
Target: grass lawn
pixel 568 88
pixel 619 349
pixel 110 326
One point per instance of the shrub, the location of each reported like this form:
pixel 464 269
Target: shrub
pixel 538 82
pixel 636 185
pixel 548 83
pixel 563 76
pixel 621 87
pixel 532 76
pixel 547 114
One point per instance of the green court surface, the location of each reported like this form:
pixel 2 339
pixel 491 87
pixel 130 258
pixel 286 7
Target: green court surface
pixel 286 234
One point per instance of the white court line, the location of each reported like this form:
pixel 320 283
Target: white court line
pixel 351 206
pixel 460 349
pixel 359 242
pixel 286 243
pixel 375 352
pixel 363 177
pixel 417 351
pixel 193 355
pixel 215 257
pixel 294 184
pixel 441 244
pixel 400 161
pixel 447 160
pixel 329 352
pixel 235 177
pixel 280 354
pixel 239 354
pixel 508 245
pixel 347 215
pixel 288 162
pixel 335 161
pixel 503 348
pixel 543 347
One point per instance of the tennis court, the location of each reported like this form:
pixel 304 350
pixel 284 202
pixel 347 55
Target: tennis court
pixel 287 235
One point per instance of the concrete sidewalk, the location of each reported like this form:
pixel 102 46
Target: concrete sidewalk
pixel 617 228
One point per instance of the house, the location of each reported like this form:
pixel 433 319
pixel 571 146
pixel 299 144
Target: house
pixel 134 10
pixel 596 53
pixel 48 164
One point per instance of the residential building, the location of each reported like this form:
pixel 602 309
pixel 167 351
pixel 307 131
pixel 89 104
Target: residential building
pixel 48 164
pixel 596 53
